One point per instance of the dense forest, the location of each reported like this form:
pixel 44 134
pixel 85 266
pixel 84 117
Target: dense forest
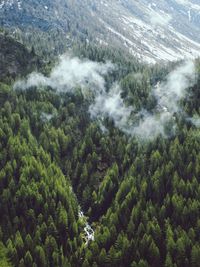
pixel 59 172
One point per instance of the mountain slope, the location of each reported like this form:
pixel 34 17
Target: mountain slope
pixel 151 30
pixel 15 58
pixel 142 199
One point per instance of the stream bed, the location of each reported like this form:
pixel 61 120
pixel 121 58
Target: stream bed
pixel 88 231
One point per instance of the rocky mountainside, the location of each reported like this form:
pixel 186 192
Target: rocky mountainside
pixel 151 30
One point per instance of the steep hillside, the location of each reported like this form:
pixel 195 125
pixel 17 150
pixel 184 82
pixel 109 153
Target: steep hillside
pixel 15 58
pixel 99 153
pixel 57 163
pixel 151 30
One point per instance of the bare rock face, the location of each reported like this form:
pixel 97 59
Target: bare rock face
pixel 153 31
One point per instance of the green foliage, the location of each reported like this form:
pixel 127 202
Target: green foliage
pixel 4 261
pixel 142 199
pixel 16 60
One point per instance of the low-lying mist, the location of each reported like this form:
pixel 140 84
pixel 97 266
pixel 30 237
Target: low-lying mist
pixel 168 95
pixel 71 72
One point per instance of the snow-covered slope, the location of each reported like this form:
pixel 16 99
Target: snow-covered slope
pixel 10 4
pixel 152 30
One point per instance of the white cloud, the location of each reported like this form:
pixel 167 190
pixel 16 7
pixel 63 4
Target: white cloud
pixel 74 72
pixel 70 73
pixel 112 105
pixel 168 95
